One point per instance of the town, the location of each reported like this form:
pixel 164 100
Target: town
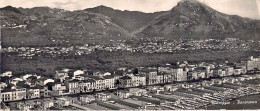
pixel 180 86
pixel 157 45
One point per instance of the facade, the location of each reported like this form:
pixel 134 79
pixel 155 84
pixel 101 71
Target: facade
pixel 151 76
pixel 125 81
pixel 87 98
pixel 252 63
pixel 109 82
pixel 87 85
pixel 138 80
pixel 123 94
pixel 238 71
pixel 32 93
pixel 102 96
pixel 44 91
pixel 100 83
pixel 58 89
pixel 61 75
pixel 229 70
pixel 72 86
pixel 137 91
pixel 179 75
pixel 13 94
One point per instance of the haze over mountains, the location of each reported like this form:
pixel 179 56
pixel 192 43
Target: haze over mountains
pixel 189 19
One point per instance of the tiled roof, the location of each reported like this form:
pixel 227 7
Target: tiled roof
pixel 125 77
pixel 108 77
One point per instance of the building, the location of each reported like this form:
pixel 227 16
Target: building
pixel 87 98
pixel 109 82
pixel 219 72
pixel 238 71
pixel 24 77
pixel 137 91
pixel 8 94
pixel 125 82
pixel 16 80
pixel 46 104
pixel 59 89
pixel 87 85
pixel 62 102
pixel 8 73
pixel 32 92
pixel 100 83
pixel 25 105
pixel 151 75
pixel 77 73
pixel 251 63
pixel 228 70
pixel 160 78
pixel 123 94
pixel 102 96
pixel 138 80
pixel 61 75
pixel 2 85
pixel 72 86
pixel 44 81
pixel 179 75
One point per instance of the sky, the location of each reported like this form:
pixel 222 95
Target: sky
pixel 244 8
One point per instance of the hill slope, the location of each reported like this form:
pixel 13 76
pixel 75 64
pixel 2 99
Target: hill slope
pixel 192 19
pixel 129 20
pixel 46 26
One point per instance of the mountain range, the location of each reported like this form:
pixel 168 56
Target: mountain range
pixel 51 26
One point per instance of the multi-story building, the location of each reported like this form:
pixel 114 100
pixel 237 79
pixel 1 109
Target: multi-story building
pixel 109 82
pixel 229 70
pixel 179 75
pixel 61 75
pixel 125 81
pixel 151 76
pixel 138 79
pixel 87 85
pixel 32 92
pixel 192 75
pixel 238 70
pixel 13 94
pixel 160 78
pixel 201 72
pixel 100 83
pixel 72 86
pixel 219 72
pixel 251 63
pixel 59 89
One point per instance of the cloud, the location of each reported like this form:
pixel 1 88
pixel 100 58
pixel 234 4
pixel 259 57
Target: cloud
pixel 244 8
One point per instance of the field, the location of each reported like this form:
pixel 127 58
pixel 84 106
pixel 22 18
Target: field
pixel 109 61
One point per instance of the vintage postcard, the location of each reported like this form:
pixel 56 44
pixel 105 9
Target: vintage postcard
pixel 130 55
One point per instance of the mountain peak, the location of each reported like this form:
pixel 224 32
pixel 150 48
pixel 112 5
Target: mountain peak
pixel 103 7
pixel 189 3
pixel 191 7
pixel 10 8
pixel 193 19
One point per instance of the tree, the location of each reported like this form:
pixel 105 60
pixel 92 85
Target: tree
pixel 135 71
pixel 5 79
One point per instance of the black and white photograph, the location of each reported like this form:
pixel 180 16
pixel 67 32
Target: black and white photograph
pixel 129 55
